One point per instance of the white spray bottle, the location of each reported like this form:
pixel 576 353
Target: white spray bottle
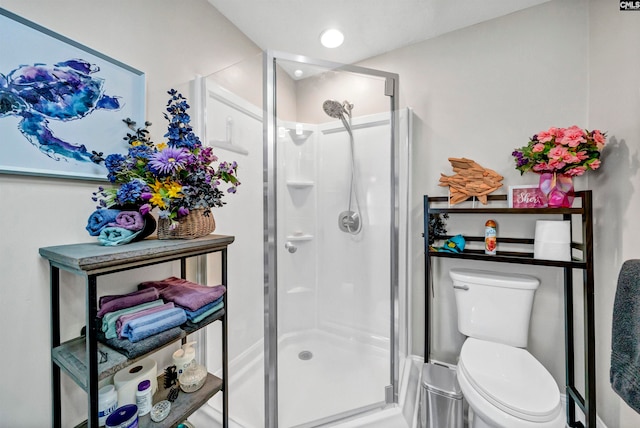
pixel 184 357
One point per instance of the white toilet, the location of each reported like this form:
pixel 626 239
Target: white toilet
pixel 503 383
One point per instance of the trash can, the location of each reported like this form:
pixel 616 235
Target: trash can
pixel 442 404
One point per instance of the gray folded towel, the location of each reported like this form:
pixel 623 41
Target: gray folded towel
pixel 625 336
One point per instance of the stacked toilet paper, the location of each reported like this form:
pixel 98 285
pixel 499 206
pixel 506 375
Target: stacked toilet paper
pixel 552 240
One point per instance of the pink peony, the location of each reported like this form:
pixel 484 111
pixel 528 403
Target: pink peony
pixel 558 152
pixel 573 136
pixel 594 164
pixel 537 148
pixel 578 170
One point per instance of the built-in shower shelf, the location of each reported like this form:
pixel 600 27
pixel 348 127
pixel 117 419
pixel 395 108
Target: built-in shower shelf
pixel 303 237
pixel 300 184
pixel 299 138
pixel 299 290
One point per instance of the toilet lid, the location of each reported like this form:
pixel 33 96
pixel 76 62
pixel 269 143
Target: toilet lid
pixel 511 379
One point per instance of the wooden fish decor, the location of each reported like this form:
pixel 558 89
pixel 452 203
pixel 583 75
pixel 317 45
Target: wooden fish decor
pixel 470 179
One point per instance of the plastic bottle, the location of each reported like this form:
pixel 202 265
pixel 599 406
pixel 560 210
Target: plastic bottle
pixel 490 239
pixel 184 357
pixel 107 403
pixel 143 398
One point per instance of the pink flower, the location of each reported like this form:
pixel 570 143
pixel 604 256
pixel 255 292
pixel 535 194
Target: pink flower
pixel 582 155
pixel 558 152
pixel 578 170
pixel 599 138
pixel 537 148
pixel 573 136
pixel 556 164
pixel 546 136
pixel 542 166
pixel 594 164
pixel 571 158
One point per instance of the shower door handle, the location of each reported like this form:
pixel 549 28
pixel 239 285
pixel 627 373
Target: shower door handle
pixel 290 247
pixel 461 287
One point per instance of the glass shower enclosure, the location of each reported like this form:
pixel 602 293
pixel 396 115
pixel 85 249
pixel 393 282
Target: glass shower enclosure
pixel 331 240
pixel 317 320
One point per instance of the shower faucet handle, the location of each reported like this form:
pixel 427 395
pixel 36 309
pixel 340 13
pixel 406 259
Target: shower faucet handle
pixel 290 247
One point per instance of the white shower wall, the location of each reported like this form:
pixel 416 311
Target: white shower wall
pixel 335 281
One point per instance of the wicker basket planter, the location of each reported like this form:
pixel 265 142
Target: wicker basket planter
pixel 198 223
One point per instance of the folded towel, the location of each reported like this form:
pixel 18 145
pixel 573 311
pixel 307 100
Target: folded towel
pixel 130 220
pixel 206 308
pixel 124 320
pixel 114 303
pixel 109 320
pixel 625 336
pixel 99 219
pixel 205 314
pixel 148 325
pixel 112 236
pixel 133 350
pixel 186 294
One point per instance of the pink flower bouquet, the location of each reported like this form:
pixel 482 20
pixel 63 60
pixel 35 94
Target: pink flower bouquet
pixel 567 151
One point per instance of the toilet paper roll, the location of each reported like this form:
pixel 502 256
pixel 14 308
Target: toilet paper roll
pixel 126 380
pixel 552 240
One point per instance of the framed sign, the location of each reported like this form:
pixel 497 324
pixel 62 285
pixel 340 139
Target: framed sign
pixel 61 103
pixel 527 196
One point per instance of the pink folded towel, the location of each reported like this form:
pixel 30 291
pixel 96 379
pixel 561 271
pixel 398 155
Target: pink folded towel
pixel 126 319
pixel 186 294
pixel 122 301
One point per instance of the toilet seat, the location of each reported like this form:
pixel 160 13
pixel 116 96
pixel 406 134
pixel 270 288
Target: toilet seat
pixel 510 379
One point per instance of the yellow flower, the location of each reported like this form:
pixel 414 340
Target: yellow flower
pixel 173 190
pixel 156 199
pixel 161 146
pixel 136 143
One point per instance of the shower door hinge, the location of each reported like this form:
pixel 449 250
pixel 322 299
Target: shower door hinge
pixel 390 87
pixel 388 394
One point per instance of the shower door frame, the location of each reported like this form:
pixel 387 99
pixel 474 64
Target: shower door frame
pixel 270 222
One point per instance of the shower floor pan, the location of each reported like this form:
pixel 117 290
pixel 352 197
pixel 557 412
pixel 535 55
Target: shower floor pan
pixel 320 375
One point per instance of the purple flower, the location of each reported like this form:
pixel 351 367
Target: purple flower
pixel 183 211
pixel 128 193
pixel 145 209
pixel 169 160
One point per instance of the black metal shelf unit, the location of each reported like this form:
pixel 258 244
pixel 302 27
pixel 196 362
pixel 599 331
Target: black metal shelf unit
pixel 583 262
pixel 79 357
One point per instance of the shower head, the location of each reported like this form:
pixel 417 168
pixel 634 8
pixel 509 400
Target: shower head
pixel 334 109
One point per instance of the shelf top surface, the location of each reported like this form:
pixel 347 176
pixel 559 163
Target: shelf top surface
pixel 92 256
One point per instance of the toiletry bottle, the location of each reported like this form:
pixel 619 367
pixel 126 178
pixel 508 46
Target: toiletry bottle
pixel 143 397
pixel 107 403
pixel 490 239
pixel 184 357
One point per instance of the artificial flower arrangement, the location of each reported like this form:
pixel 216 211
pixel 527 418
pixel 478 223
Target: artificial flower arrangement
pixel 569 151
pixel 176 177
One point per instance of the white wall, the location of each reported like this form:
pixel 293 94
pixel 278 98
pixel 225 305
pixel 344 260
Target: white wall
pixel 614 105
pixel 171 42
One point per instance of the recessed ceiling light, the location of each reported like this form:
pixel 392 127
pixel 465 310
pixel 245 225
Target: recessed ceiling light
pixel 331 38
pixel 298 73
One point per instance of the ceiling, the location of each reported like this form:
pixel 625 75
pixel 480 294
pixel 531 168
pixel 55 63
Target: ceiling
pixel 371 27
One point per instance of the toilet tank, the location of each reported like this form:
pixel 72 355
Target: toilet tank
pixel 494 306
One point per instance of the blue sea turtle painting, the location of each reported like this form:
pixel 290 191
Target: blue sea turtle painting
pixel 64 91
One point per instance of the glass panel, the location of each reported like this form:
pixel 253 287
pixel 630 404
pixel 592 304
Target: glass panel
pixel 334 193
pixel 232 101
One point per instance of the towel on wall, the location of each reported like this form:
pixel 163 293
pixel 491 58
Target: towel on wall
pixel 185 294
pixel 625 336
pixel 99 219
pixel 114 303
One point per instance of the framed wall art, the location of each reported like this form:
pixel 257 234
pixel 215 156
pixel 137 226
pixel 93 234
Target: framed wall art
pixel 61 103
pixel 526 196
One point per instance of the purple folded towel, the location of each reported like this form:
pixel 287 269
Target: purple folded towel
pixel 186 294
pixel 130 220
pixel 124 320
pixel 122 301
pixel 99 219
